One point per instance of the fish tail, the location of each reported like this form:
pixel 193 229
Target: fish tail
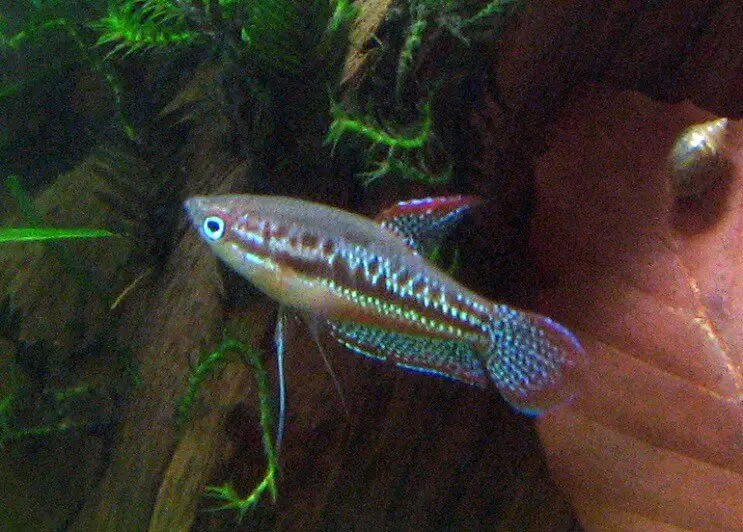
pixel 533 361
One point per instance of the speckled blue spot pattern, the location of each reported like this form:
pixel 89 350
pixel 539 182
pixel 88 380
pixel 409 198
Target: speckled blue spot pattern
pixel 445 358
pixel 525 359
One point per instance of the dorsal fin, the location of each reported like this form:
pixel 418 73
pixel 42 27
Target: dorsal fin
pixel 424 223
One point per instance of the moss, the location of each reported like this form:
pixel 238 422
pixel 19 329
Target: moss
pixel 418 25
pixel 140 25
pixel 209 363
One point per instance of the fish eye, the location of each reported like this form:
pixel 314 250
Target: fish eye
pixel 213 227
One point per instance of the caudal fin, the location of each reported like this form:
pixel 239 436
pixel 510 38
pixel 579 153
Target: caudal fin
pixel 533 361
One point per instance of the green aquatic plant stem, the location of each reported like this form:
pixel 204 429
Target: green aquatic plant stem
pixel 408 155
pixel 412 44
pixel 407 171
pixel 139 25
pixel 226 493
pixel 497 7
pixel 264 398
pixel 14 42
pixel 344 12
pixel 74 392
pixel 69 261
pixel 394 161
pixel 43 431
pixel 35 232
pixel 8 435
pixel 203 370
pixel 243 505
pixel 343 123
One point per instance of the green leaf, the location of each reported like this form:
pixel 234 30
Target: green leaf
pixel 37 234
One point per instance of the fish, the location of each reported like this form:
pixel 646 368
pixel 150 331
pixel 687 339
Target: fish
pixel 369 282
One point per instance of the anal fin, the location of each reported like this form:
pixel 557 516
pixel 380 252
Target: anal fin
pixel 444 358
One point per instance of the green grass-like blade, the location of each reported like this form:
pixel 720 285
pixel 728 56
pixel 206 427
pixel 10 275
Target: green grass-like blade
pixel 38 234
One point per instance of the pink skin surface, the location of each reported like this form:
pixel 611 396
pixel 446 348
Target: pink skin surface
pixel 651 279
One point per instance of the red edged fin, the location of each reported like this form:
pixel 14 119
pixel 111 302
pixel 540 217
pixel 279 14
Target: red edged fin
pixel 440 206
pixel 420 220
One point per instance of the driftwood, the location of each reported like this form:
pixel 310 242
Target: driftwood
pixel 56 308
pixel 182 319
pixel 62 294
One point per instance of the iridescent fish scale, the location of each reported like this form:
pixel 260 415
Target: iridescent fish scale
pixel 528 358
pixel 392 288
pixel 448 358
pixel 362 276
pixel 286 243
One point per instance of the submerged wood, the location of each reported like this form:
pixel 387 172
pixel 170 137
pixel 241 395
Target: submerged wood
pixel 58 326
pixel 62 292
pixel 182 319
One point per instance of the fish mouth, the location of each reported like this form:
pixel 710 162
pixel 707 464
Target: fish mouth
pixel 195 208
